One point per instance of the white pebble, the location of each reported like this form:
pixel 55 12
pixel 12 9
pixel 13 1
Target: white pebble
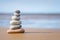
pixel 16 14
pixel 15 18
pixel 15 26
pixel 14 22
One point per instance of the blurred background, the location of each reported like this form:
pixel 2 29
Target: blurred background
pixel 34 13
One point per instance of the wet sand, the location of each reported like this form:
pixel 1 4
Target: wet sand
pixel 31 34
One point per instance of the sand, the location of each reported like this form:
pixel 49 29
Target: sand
pixel 31 34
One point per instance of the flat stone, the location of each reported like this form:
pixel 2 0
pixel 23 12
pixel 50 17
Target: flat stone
pixel 15 18
pixel 16 31
pixel 17 11
pixel 16 14
pixel 13 27
pixel 15 22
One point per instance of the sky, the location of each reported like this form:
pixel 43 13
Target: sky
pixel 30 6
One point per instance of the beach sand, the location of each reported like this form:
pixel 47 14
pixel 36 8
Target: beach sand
pixel 31 34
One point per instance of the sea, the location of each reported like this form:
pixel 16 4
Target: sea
pixel 43 21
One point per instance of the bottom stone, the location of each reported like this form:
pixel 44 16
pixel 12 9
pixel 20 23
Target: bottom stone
pixel 16 31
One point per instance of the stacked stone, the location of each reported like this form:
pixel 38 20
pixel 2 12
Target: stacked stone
pixel 15 23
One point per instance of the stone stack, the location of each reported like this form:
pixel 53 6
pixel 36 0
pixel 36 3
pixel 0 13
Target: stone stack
pixel 15 23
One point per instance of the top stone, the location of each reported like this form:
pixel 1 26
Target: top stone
pixel 17 11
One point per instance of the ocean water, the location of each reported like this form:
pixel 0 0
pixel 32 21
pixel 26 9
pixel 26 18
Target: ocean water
pixel 33 21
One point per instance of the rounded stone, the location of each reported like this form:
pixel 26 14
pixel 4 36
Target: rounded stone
pixel 15 22
pixel 15 18
pixel 16 31
pixel 16 14
pixel 17 11
pixel 13 27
